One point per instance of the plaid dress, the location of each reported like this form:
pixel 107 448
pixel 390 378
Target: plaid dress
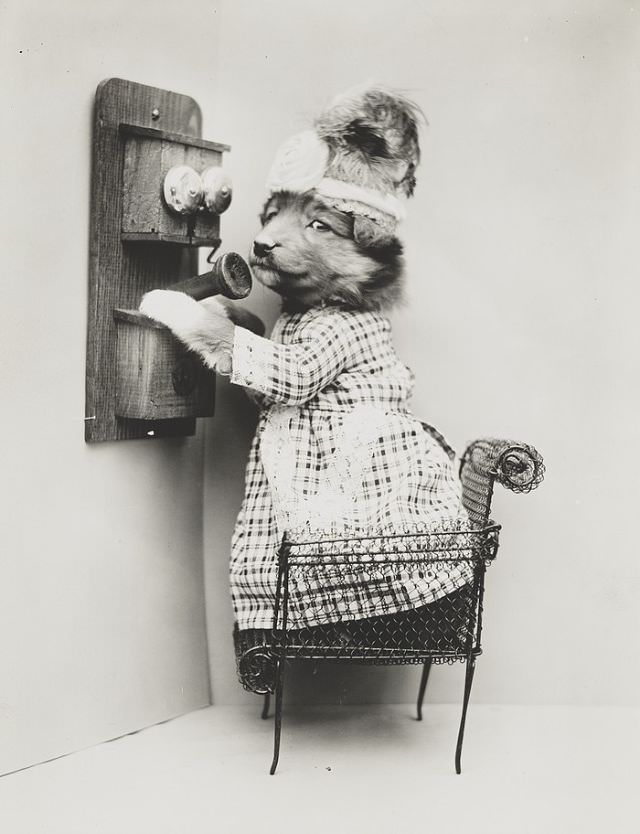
pixel 336 449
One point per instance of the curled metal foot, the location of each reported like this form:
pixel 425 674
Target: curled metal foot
pixel 257 667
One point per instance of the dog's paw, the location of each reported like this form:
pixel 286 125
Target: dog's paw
pixel 212 305
pixel 173 309
pixel 203 328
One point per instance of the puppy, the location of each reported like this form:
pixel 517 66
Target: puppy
pixel 336 447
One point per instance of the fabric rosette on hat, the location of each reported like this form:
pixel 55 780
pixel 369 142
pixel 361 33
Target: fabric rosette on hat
pixel 300 163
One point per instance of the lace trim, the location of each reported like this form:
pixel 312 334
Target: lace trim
pixel 249 361
pixel 337 501
pixel 380 218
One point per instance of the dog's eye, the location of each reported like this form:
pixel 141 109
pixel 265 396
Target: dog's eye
pixel 269 216
pixel 319 226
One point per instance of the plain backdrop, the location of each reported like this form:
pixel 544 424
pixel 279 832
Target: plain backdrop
pixel 520 321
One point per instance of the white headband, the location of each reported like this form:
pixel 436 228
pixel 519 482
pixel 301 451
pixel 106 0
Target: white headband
pixel 349 193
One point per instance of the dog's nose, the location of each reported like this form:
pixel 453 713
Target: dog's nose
pixel 262 247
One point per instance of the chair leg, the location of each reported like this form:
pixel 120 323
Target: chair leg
pixel 471 663
pixel 265 706
pixel 278 719
pixel 423 685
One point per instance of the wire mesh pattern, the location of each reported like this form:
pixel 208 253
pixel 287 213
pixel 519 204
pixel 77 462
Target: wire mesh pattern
pixel 446 630
pixel 451 561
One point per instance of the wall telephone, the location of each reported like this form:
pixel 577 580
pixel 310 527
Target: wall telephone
pixel 158 190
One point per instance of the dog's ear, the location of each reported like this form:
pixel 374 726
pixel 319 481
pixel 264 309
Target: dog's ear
pixel 372 134
pixel 367 232
pixel 366 138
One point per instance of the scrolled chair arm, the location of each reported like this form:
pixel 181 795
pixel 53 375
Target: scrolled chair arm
pixel 517 466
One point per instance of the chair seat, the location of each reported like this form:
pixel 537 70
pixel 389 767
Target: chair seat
pixel 445 630
pixel 440 631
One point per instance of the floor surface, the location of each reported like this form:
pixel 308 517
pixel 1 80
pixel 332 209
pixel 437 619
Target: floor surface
pixel 525 770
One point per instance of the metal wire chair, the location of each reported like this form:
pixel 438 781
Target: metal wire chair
pixel 452 561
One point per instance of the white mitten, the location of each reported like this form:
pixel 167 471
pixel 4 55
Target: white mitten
pixel 202 326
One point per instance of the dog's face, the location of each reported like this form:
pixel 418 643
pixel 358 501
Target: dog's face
pixel 307 253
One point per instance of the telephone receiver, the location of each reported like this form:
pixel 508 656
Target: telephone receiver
pixel 230 277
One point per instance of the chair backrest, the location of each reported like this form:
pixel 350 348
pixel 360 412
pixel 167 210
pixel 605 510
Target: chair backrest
pixel 477 489
pixel 517 466
pixel 477 480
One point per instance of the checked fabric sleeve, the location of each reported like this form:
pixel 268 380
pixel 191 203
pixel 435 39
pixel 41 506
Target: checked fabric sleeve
pixel 293 374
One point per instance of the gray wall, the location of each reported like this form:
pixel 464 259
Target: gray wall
pixel 522 253
pixel 101 593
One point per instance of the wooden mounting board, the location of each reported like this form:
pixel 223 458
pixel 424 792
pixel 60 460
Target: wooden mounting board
pixel 121 272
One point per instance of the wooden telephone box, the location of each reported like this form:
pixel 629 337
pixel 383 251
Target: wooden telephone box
pixel 158 190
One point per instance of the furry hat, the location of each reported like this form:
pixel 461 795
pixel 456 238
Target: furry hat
pixel 360 158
